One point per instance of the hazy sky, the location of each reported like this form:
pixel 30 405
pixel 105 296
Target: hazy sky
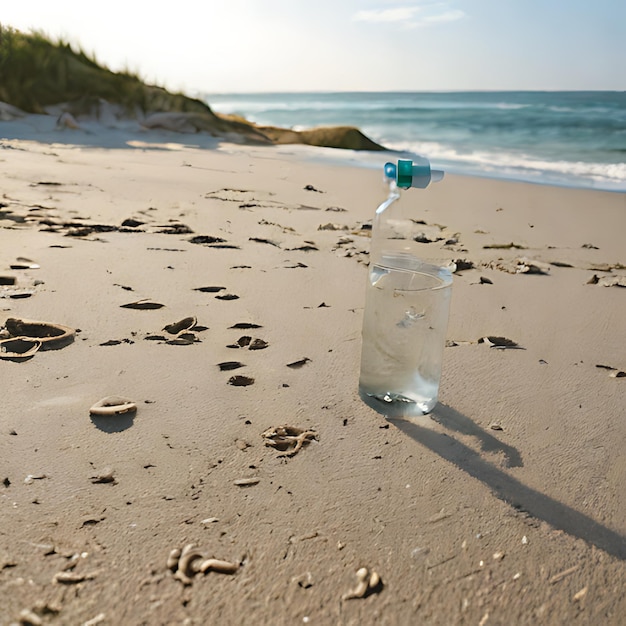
pixel 345 45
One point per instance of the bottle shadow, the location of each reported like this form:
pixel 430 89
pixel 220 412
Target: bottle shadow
pixel 503 486
pixel 453 420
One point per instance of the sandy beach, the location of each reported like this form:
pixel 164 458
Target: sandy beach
pixel 506 505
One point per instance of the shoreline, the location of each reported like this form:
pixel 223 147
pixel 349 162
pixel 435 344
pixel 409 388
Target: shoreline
pixel 470 132
pixel 119 133
pixel 375 160
pixel 504 505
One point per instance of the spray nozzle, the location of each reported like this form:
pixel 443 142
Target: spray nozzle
pixel 412 173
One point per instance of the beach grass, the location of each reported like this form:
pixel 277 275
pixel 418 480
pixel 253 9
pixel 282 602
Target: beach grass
pixel 36 72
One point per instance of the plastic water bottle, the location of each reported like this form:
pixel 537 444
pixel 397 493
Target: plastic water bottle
pixel 406 306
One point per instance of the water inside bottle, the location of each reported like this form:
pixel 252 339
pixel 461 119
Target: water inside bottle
pixel 404 326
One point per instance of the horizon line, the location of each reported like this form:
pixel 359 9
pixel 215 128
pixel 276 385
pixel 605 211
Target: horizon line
pixel 368 91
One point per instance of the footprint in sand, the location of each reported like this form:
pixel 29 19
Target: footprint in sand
pixel 175 229
pixel 17 294
pixel 131 222
pixel 521 265
pixel 206 239
pixel 332 226
pixel 245 325
pixel 462 265
pixel 18 349
pixel 504 246
pixel 285 229
pixel 525 265
pixel 613 371
pixel 226 366
pixel 212 242
pixel 240 381
pixel 179 333
pixel 104 477
pixel 116 342
pixel 50 336
pixel 22 263
pixel 143 305
pixel 300 363
pixel 501 343
pixel 263 240
pixel 186 324
pixel 607 281
pixel 306 247
pixel 245 198
pixel 424 238
pixel 248 342
pixel 288 439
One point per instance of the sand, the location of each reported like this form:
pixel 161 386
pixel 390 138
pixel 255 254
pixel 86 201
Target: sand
pixel 505 506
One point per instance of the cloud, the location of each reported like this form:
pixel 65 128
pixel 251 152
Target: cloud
pixel 451 15
pixel 399 14
pixel 413 16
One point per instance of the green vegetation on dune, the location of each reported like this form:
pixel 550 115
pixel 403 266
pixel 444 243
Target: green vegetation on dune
pixel 36 73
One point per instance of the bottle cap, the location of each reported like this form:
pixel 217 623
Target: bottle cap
pixel 412 173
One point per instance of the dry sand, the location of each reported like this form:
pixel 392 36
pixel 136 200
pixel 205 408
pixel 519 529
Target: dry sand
pixel 506 506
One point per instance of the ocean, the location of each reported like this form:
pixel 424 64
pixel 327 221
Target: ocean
pixel 574 139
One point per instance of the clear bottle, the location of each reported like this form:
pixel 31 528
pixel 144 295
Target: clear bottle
pixel 406 306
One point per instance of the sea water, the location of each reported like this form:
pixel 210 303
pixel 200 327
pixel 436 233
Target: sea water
pixel 404 330
pixel 575 139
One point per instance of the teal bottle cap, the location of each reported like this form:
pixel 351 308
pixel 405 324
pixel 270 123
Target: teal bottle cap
pixel 412 174
pixel 404 173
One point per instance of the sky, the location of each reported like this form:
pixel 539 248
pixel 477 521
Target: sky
pixel 224 46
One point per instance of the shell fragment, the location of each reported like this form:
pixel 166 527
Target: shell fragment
pixel 113 405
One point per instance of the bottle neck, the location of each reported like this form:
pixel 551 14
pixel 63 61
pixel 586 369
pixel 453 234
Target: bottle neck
pixel 397 240
pixel 392 232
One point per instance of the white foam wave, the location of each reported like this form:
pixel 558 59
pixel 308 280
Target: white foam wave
pixel 249 107
pixel 613 174
pixel 510 105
